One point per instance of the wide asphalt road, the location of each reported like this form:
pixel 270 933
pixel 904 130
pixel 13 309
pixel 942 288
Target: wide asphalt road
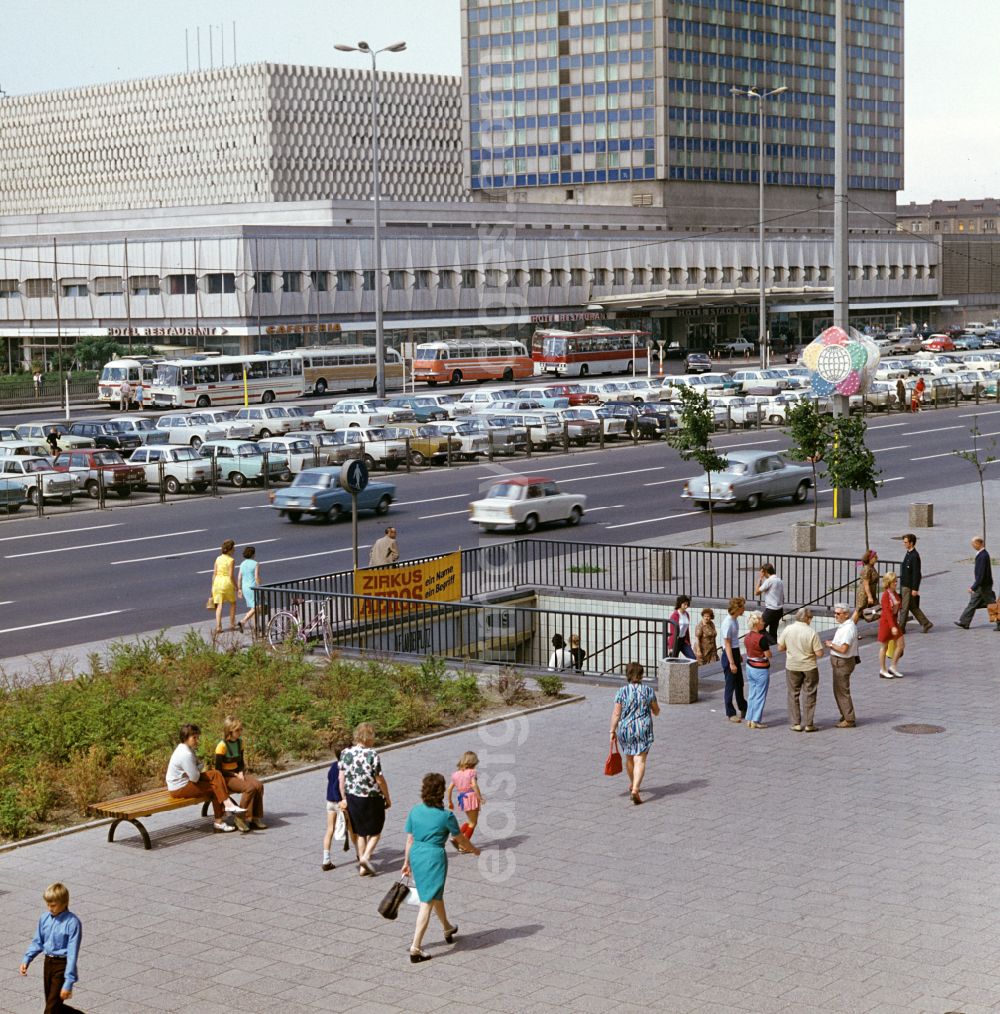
pixel 96 574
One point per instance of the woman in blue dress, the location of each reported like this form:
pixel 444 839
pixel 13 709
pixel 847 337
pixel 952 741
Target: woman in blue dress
pixel 428 827
pixel 632 725
pixel 249 579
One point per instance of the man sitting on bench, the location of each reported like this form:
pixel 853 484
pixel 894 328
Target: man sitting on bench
pixel 185 779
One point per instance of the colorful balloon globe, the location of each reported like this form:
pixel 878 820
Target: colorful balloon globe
pixel 841 362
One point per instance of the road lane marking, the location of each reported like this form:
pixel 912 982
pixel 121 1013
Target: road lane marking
pixel 974 415
pixel 667 482
pixel 937 429
pixel 431 499
pixel 885 426
pixel 307 556
pixel 187 552
pixel 927 457
pixel 895 478
pixel 590 510
pixel 613 475
pixel 98 545
pixel 67 619
pixel 68 531
pixel 256 507
pixel 649 521
pixel 895 447
pixel 729 447
pixel 446 514
pixel 9 602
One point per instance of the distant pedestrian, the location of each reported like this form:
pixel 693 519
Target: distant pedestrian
pixel 58 936
pixel 981 592
pixel 364 787
pixel 757 644
pixel 679 629
pixel 803 649
pixel 772 591
pixel 140 394
pixel 867 594
pixel 901 394
pixel 231 764
pixel 578 653
pixel 465 782
pixel 223 586
pixel 248 581
pixel 732 662
pixel 918 395
pixel 385 550
pixel 125 396
pixel 52 439
pixel 909 586
pixel 36 379
pixel 843 658
pixel 706 638
pixel 632 725
pixel 890 636
pixel 561 658
pixel 186 780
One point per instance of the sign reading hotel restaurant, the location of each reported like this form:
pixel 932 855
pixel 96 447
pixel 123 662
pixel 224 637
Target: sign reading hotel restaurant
pixel 437 580
pixel 165 332
pixel 561 318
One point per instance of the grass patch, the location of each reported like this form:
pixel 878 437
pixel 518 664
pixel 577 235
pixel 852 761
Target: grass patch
pixel 67 743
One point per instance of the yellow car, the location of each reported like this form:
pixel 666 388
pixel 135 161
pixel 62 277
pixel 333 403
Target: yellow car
pixel 426 443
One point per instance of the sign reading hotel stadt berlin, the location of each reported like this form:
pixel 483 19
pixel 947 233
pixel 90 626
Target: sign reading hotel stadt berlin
pixel 437 580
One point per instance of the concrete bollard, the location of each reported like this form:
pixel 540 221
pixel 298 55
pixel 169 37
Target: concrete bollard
pixel 661 566
pixel 803 537
pixel 678 681
pixel 921 515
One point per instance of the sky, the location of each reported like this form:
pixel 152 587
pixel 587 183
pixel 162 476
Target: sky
pixel 952 142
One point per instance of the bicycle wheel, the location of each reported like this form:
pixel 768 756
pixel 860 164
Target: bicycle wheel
pixel 282 627
pixel 327 636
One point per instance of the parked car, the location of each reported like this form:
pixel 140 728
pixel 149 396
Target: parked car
pixel 481 398
pixel 192 429
pixel 545 428
pixel 359 412
pixel 182 467
pixel 12 495
pixel 739 347
pixel 105 434
pixel 543 399
pixel 649 425
pixel 471 442
pixel 643 389
pixel 501 432
pixel 748 379
pixel 317 492
pixel 266 420
pixel 99 465
pixel 242 461
pixel 38 478
pixel 938 343
pixel 698 362
pixel 425 443
pixel 612 426
pixel 976 328
pixel 298 451
pixel 373 445
pixel 750 478
pixel 880 395
pixel 139 426
pixel 524 503
pixel 39 433
pixel 6 433
pixel 24 448
pixel 232 428
pixel 426 407
pixel 738 411
pixel 576 393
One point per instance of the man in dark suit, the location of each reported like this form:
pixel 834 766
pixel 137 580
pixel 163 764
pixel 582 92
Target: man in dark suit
pixel 982 585
pixel 909 586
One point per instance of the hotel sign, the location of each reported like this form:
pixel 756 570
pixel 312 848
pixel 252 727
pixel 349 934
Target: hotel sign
pixel 165 332
pixel 565 318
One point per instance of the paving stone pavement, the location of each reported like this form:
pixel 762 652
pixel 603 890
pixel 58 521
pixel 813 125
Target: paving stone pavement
pixel 847 871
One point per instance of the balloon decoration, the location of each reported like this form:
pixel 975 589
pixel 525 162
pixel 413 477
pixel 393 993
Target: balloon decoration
pixel 841 362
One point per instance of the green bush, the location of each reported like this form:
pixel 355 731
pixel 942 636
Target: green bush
pixel 14 820
pixel 551 686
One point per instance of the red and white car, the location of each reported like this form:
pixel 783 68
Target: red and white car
pixel 938 343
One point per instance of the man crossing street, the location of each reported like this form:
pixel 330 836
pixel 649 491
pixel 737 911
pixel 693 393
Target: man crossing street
pixel 909 586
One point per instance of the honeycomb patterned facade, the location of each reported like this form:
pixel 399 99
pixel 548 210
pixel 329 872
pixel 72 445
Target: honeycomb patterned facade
pixel 236 135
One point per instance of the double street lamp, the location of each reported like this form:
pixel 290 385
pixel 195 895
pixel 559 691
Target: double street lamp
pixel 363 47
pixel 760 96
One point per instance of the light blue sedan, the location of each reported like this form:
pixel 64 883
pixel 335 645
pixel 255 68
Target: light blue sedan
pixel 317 491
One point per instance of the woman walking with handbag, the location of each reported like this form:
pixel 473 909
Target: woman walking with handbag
pixel 428 827
pixel 632 725
pixel 364 787
pixel 757 643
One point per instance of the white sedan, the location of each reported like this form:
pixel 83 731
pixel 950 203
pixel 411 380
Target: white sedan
pixel 525 502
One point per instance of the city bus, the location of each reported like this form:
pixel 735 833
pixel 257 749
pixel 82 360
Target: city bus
pixel 200 381
pixel 452 361
pixel 589 352
pixel 138 371
pixel 347 368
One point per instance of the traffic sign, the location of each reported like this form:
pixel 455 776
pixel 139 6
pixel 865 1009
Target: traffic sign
pixel 354 476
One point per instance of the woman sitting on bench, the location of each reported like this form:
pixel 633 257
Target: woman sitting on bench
pixel 185 779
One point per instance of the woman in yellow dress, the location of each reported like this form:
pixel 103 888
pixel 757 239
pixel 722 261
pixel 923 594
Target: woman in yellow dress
pixel 223 586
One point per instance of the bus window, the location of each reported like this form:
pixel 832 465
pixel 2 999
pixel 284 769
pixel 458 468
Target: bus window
pixel 297 367
pixel 256 371
pixel 187 377
pixel 208 374
pixel 278 368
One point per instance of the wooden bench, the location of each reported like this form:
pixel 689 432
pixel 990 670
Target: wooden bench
pixel 142 804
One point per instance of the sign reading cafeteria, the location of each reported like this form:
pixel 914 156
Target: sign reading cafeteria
pixel 437 580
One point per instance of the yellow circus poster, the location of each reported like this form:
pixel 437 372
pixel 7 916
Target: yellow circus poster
pixel 437 580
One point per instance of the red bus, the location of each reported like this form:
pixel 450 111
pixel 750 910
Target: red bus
pixel 454 360
pixel 589 352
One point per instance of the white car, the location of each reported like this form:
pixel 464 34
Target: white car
pixel 545 428
pixel 360 412
pixel 525 502
pixel 736 411
pixel 182 467
pixel 482 398
pixel 739 347
pixel 266 420
pixel 748 379
pixel 226 418
pixel 466 436
pixel 190 429
pixel 645 388
pixel 374 445
pixel 298 450
pixel 34 473
pixel 614 427
pixel 135 425
pixel 609 390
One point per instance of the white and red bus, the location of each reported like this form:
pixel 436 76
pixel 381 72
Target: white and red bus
pixel 199 381
pixel 453 360
pixel 589 352
pixel 139 371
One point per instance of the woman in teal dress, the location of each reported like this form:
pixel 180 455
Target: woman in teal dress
pixel 428 827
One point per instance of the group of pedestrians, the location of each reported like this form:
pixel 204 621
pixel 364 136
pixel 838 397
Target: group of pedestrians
pixel 228 584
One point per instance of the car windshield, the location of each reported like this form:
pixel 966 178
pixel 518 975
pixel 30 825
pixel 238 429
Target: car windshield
pixel 249 450
pixel 36 465
pixel 504 491
pixel 736 467
pixel 319 479
pixel 198 420
pixel 107 458
pixel 185 454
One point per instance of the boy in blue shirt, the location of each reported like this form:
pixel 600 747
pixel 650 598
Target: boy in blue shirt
pixel 58 935
pixel 335 805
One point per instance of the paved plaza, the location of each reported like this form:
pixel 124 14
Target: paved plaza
pixel 854 870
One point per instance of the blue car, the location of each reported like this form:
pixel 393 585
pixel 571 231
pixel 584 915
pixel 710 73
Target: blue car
pixel 317 491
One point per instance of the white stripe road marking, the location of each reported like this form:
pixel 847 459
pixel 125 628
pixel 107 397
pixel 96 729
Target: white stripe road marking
pixel 306 556
pixel 446 514
pixel 937 429
pixel 188 552
pixel 728 447
pixel 256 507
pixel 649 521
pixel 895 447
pixel 973 415
pixel 612 507
pixel 98 545
pixel 9 602
pixel 67 619
pixel 613 475
pixel 667 482
pixel 927 457
pixel 67 531
pixel 895 478
pixel 885 426
pixel 432 499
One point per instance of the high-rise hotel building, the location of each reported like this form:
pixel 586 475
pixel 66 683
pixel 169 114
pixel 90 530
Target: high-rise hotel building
pixel 630 102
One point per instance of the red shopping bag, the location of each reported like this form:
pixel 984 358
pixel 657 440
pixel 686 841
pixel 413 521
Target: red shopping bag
pixel 613 765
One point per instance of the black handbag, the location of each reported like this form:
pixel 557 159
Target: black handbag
pixel 388 907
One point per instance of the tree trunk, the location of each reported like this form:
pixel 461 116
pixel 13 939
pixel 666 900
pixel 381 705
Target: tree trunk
pixel 982 500
pixel 711 514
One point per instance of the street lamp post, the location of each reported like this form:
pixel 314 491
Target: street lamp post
pixel 363 47
pixel 760 96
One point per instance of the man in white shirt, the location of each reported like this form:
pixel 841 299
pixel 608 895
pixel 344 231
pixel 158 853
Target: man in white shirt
pixel 802 645
pixel 772 590
pixel 843 659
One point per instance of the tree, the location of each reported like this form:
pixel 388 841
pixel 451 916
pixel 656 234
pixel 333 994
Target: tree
pixel 693 441
pixel 93 352
pixel 850 463
pixel 809 431
pixel 979 462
